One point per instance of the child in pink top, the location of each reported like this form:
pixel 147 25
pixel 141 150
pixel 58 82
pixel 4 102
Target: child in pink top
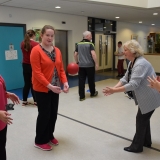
pixel 4 116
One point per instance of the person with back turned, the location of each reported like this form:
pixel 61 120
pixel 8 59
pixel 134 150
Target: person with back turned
pixel 86 57
pixel 26 47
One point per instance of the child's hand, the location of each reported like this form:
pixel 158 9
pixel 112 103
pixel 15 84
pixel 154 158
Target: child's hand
pixel 5 117
pixel 154 83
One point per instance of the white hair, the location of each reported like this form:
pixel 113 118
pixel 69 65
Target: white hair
pixel 86 33
pixel 134 47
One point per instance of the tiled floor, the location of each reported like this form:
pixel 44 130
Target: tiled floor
pixel 95 129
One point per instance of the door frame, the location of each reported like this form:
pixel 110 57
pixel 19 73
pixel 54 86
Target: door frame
pixel 114 46
pixel 22 26
pixel 66 47
pixel 15 25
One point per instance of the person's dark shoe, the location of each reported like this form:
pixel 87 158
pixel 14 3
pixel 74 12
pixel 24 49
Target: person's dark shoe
pixel 35 103
pixel 95 94
pixel 147 145
pixel 25 103
pixel 81 99
pixel 129 149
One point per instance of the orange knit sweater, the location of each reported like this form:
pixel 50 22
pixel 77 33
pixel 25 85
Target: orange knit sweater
pixel 43 68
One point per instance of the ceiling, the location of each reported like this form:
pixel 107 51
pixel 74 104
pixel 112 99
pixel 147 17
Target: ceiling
pixel 91 9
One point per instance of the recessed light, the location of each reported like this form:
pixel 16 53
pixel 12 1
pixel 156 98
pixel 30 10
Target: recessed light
pixel 155 14
pixel 140 21
pixel 117 17
pixel 104 27
pixel 153 24
pixel 57 7
pixel 111 24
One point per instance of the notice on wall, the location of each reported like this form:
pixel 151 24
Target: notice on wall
pixel 11 55
pixel 11 47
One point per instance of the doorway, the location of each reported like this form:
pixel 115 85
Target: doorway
pixel 104 51
pixel 61 42
pixel 11 55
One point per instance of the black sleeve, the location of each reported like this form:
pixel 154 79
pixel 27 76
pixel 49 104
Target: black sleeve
pixel 92 47
pixel 76 48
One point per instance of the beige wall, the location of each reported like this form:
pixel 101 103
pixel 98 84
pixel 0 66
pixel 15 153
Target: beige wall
pixel 153 3
pixel 125 30
pixel 76 25
pixel 154 60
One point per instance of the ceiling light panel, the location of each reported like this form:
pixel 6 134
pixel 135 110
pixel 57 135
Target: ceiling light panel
pixel 155 14
pixel 57 7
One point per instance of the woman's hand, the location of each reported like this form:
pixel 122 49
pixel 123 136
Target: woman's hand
pixel 66 87
pixel 14 98
pixel 108 91
pixel 5 117
pixel 56 89
pixel 154 83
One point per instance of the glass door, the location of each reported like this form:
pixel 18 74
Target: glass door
pixel 104 51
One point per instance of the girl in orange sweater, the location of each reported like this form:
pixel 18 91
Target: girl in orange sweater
pixel 47 75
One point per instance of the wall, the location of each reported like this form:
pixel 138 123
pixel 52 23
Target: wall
pixel 154 60
pixel 76 25
pixel 153 3
pixel 125 30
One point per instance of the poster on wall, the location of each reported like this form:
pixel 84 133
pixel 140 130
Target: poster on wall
pixel 11 55
pixel 134 36
pixel 38 33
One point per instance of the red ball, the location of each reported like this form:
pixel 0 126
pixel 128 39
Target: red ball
pixel 72 68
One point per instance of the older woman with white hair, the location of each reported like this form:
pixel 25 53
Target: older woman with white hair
pixel 135 82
